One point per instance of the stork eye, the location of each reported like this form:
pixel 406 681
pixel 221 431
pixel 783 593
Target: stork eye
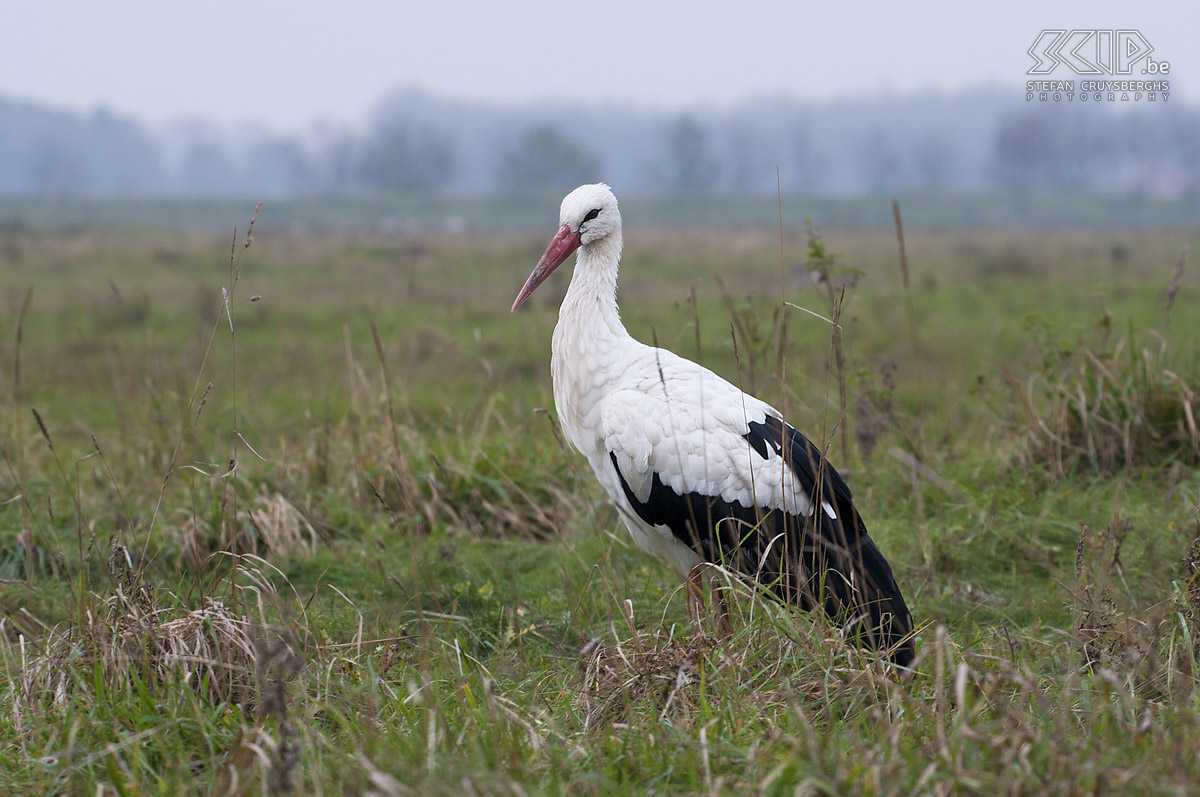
pixel 593 213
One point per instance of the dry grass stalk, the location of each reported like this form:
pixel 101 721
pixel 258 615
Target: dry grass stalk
pixel 1173 285
pixel 247 765
pixel 278 664
pixel 908 305
pixel 822 265
pixel 16 386
pixel 1191 596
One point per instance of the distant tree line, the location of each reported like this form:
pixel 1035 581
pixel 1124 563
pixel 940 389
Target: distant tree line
pixel 1064 149
pixel 418 144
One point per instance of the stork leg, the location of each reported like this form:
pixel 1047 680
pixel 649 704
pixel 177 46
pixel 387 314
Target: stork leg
pixel 695 583
pixel 722 623
pixel 699 612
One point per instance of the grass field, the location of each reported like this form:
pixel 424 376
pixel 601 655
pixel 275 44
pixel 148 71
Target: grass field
pixel 312 528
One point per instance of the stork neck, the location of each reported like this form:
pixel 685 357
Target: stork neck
pixel 588 340
pixel 591 299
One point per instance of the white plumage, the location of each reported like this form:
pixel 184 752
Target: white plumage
pixel 699 470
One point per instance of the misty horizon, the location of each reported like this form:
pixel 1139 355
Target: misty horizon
pixel 289 65
pixel 318 123
pixel 288 100
pixel 416 141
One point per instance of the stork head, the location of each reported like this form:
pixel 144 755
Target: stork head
pixel 588 214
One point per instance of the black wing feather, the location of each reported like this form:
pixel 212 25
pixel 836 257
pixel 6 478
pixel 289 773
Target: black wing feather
pixel 814 560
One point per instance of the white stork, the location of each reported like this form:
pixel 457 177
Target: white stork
pixel 700 471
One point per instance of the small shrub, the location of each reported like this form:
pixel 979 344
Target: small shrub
pixel 876 408
pixel 1106 407
pixel 1142 646
pixel 1009 262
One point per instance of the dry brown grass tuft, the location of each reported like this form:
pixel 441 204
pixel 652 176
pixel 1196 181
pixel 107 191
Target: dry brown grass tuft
pixel 210 649
pixel 193 536
pixel 1109 409
pixel 646 670
pixel 271 525
pixel 281 528
pixel 1108 402
pixel 129 638
pixel 768 664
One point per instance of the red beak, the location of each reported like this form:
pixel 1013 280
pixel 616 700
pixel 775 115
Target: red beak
pixel 560 249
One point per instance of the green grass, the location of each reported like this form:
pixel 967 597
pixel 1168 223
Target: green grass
pixel 406 584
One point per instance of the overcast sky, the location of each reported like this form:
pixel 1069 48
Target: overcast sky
pixel 288 64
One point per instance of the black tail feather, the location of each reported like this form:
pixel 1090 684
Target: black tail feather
pixel 822 559
pixel 888 622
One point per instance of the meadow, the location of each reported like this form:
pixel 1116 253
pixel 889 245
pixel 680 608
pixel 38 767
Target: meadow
pixel 289 512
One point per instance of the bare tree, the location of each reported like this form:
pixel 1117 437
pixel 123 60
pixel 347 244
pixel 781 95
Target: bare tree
pixel 1044 150
pixel 400 156
pixel 690 167
pixel 58 169
pixel 933 162
pixel 278 166
pixel 748 164
pixel 878 163
pixel 208 170
pixel 811 166
pixel 544 159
